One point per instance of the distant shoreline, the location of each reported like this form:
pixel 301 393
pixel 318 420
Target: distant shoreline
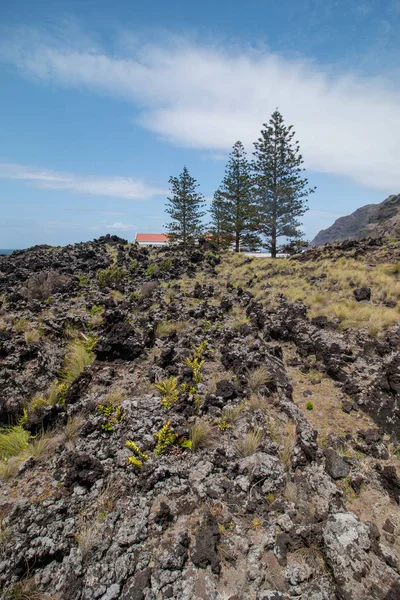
pixel 6 250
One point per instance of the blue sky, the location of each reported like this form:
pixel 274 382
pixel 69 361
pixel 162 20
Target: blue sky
pixel 101 102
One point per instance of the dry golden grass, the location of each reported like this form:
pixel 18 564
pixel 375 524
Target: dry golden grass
pixel 115 397
pixel 76 359
pixel 44 444
pixel 72 427
pixel 331 295
pixel 250 443
pixel 9 467
pixel 32 336
pixel 231 413
pixel 88 536
pixel 258 402
pixel 258 378
pixel 26 589
pixel 117 296
pixel 164 328
pixel 21 324
pixel 327 415
pixel 200 434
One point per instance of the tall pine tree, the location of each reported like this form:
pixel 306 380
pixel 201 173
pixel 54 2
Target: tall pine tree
pixel 237 206
pixel 185 208
pixel 280 189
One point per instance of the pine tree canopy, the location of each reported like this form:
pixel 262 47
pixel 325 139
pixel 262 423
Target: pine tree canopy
pixel 234 205
pixel 185 209
pixel 280 190
pixel 219 228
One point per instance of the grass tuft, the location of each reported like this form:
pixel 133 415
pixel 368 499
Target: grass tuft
pixel 76 359
pixel 13 441
pixel 200 434
pixel 258 378
pixel 249 444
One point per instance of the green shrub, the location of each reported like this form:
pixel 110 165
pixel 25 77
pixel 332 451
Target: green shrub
pixel 165 265
pixel 309 405
pixel 110 276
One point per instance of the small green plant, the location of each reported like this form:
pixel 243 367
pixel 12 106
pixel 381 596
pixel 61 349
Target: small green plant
pixel 83 280
pixel 309 405
pixel 188 389
pixel 257 523
pixel 135 460
pixel 114 415
pixel 165 438
pixel 96 310
pixel 3 300
pixel 151 269
pixel 169 389
pixel 134 265
pixel 223 423
pixel 134 297
pixel 195 362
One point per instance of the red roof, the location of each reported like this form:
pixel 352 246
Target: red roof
pixel 151 237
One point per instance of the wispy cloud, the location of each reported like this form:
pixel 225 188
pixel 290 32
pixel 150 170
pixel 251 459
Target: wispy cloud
pixel 95 211
pixel 117 187
pixel 207 97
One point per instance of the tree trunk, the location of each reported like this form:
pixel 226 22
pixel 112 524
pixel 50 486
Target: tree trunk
pixel 273 243
pixel 237 243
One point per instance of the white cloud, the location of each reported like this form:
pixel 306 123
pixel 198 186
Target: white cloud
pixel 117 187
pixel 120 226
pixel 207 97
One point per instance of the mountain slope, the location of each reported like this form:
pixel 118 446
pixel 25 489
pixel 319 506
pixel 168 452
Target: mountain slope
pixel 372 220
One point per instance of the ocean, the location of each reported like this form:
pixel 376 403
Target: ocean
pixel 5 251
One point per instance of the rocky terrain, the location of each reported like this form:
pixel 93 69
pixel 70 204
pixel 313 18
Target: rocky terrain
pixel 372 220
pixel 199 426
